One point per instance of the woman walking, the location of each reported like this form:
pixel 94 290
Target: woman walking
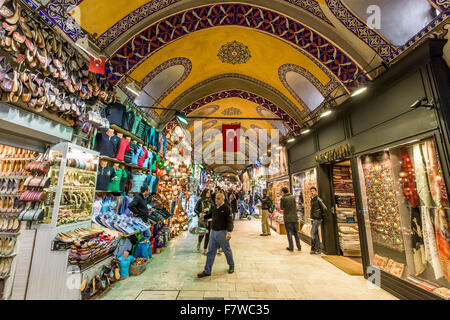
pixel 203 207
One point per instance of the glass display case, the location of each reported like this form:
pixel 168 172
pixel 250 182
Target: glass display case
pixel 301 185
pixel 407 214
pixel 72 191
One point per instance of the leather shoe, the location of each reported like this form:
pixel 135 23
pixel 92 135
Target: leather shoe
pixel 231 270
pixel 203 274
pixel 289 249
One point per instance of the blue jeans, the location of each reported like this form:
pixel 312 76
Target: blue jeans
pixel 315 239
pixel 292 230
pixel 217 239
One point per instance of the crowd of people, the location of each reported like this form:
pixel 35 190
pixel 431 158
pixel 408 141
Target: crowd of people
pixel 217 209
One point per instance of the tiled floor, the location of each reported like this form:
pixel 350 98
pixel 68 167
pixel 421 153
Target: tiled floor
pixel 264 270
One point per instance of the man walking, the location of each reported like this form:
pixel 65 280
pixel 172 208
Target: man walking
pixel 221 228
pixel 318 210
pixel 289 207
pixel 266 205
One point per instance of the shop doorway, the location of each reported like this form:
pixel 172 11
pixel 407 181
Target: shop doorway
pixel 345 216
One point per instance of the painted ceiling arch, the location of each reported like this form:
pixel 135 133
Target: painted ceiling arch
pixel 162 80
pixel 229 83
pixel 305 87
pixel 118 20
pixel 158 35
pixel 240 94
pixel 202 49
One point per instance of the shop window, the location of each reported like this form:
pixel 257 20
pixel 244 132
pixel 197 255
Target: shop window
pixel 301 188
pixel 400 20
pixel 407 213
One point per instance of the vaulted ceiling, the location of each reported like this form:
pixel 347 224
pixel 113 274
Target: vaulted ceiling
pixel 252 58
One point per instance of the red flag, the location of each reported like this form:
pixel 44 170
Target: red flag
pixel 230 137
pixel 97 65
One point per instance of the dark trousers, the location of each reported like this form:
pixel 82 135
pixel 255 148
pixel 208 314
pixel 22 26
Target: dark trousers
pixel 200 239
pixel 315 239
pixel 218 240
pixel 292 230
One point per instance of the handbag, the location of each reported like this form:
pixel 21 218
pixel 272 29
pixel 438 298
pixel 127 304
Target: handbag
pixel 41 165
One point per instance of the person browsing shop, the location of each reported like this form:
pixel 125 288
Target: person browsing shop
pixel 266 206
pixel 202 207
pixel 289 207
pixel 221 228
pixel 318 210
pixel 139 204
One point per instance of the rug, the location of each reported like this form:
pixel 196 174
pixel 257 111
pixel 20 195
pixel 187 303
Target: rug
pixel 346 264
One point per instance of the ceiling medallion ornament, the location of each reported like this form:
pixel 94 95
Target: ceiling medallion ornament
pixel 234 53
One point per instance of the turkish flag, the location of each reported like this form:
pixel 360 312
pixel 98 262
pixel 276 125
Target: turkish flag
pixel 230 137
pixel 97 65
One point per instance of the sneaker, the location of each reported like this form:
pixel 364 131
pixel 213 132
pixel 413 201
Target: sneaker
pixel 203 274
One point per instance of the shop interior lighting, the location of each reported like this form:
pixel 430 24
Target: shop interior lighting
pixel 86 51
pixel 305 131
pixel 326 113
pixel 359 91
pixel 132 88
pixel 291 140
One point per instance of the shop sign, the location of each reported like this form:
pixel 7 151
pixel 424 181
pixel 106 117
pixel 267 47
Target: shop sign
pixel 338 153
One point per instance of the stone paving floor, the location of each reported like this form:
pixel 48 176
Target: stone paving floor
pixel 264 270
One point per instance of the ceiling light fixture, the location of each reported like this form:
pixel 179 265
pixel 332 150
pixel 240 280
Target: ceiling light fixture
pixel 86 51
pixel 305 131
pixel 181 117
pixel 326 113
pixel 291 140
pixel 361 89
pixel 133 88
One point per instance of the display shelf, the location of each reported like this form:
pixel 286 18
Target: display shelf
pixel 85 266
pixel 344 194
pixel 345 209
pixel 9 233
pixel 131 135
pixel 68 227
pixel 10 255
pixel 106 191
pixel 77 170
pixel 124 163
pixel 4 278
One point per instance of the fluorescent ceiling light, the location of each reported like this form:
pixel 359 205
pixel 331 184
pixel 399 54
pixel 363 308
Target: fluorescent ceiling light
pixel 359 91
pixel 86 51
pixel 326 113
pixel 291 140
pixel 133 91
pixel 306 131
pixel 279 148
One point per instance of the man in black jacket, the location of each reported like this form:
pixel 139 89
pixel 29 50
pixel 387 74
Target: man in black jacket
pixel 139 204
pixel 221 228
pixel 318 210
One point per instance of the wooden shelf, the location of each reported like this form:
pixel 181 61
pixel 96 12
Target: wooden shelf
pixel 124 163
pixel 132 136
pixel 344 194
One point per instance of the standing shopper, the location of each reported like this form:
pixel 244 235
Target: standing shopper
pixel 222 226
pixel 234 205
pixel 289 207
pixel 202 207
pixel 318 210
pixel 266 206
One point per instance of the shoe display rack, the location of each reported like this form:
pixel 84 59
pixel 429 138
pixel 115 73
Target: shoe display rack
pixel 68 211
pixel 13 174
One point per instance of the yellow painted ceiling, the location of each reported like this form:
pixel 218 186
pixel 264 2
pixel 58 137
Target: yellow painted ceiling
pixel 268 53
pixel 110 11
pixel 248 109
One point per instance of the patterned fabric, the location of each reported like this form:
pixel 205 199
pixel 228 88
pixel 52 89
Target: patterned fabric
pixel 421 177
pixel 409 181
pixel 429 237
pixel 442 226
pixel 143 45
pixel 140 130
pixel 137 121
